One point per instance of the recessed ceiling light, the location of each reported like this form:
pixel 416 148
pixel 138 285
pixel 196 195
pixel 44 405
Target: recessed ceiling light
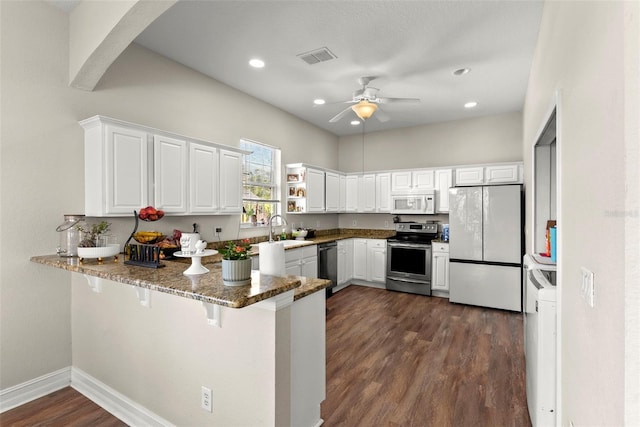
pixel 461 71
pixel 319 101
pixel 470 104
pixel 256 63
pixel 355 122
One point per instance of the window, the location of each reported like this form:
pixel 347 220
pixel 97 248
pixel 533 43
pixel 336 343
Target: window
pixel 260 182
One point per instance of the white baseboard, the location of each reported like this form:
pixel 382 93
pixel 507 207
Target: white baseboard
pixel 114 402
pixel 104 396
pixel 20 394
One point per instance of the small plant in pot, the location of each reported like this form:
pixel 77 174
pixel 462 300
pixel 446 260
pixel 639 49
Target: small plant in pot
pixel 90 236
pixel 236 263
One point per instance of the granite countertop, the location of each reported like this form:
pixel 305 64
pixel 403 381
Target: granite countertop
pixel 204 287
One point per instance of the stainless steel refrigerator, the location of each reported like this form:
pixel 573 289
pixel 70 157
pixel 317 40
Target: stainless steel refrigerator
pixel 485 247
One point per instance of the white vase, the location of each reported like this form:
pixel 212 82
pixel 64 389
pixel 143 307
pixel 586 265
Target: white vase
pixel 236 272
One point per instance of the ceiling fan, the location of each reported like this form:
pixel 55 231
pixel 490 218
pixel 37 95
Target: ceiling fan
pixel 366 102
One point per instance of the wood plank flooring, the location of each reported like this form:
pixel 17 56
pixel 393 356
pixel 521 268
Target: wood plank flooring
pixel 396 359
pixel 64 407
pixel 393 360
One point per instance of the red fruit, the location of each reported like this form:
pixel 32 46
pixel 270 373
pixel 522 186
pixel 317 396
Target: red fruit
pixel 143 214
pixel 151 210
pixel 153 217
pixel 160 213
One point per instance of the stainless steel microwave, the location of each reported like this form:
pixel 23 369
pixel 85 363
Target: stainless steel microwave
pixel 419 204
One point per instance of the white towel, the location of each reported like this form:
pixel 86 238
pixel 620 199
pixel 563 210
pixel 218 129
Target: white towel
pixel 271 258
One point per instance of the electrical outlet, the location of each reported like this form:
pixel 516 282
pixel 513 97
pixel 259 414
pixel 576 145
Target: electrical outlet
pixel 206 399
pixel 354 223
pixel 218 229
pixel 386 224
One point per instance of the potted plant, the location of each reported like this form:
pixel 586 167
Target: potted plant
pixel 236 263
pixel 91 236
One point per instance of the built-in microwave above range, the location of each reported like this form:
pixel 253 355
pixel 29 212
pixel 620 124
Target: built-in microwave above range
pixel 422 203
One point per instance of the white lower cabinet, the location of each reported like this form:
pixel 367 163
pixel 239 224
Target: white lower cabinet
pixel 440 267
pixel 370 260
pixel 345 261
pixel 302 261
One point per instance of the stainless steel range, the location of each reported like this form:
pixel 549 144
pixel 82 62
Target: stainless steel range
pixel 409 257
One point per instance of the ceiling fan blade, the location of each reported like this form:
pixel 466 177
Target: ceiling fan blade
pixel 381 116
pixel 370 92
pixel 340 115
pixel 398 100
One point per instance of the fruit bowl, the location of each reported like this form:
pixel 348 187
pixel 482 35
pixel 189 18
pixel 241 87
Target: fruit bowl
pixel 299 234
pixel 148 237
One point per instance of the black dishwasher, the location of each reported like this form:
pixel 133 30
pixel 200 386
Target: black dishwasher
pixel 328 264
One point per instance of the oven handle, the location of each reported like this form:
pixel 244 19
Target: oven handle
pixel 408 245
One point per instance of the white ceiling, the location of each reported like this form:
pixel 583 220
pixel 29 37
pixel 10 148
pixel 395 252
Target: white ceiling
pixel 411 46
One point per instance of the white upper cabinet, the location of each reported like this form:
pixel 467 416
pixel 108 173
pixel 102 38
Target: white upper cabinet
pixel 508 173
pixel 383 192
pixel 343 194
pixel 170 174
pixel 230 201
pixel 130 166
pixel 204 182
pixel 444 181
pixel 412 181
pixel 332 191
pixel 352 187
pixel 367 193
pixel 315 190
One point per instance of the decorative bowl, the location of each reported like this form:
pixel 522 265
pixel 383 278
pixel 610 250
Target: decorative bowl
pixel 99 252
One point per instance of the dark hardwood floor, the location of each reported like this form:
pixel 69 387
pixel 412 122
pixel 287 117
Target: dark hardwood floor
pixel 397 359
pixel 393 360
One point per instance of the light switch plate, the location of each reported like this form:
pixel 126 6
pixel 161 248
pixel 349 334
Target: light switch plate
pixel 587 291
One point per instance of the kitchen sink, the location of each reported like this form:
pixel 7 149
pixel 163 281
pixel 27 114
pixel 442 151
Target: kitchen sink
pixel 289 243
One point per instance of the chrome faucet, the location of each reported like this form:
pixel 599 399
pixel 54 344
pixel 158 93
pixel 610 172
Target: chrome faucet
pixel 271 225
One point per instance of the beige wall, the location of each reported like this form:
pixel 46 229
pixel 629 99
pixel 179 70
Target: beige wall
pixel 489 139
pixel 580 52
pixel 42 163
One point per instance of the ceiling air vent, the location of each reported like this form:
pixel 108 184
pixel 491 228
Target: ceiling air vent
pixel 318 55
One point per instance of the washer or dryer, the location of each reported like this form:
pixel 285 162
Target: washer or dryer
pixel 540 326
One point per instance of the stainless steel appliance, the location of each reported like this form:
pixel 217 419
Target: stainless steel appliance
pixel 328 264
pixel 409 257
pixel 420 203
pixel 485 249
pixel 540 340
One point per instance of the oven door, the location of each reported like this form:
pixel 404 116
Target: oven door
pixel 409 267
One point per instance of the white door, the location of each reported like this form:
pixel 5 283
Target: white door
pixel 383 192
pixel 401 181
pixel 170 174
pixel 440 271
pixel 332 192
pixel 360 259
pixel 444 181
pixel 343 194
pixel 203 178
pixel 315 190
pixel 377 264
pixel 230 182
pixel 465 223
pixel 502 224
pixel 367 193
pixel 127 170
pixel 352 183
pixel 423 180
pixel 309 267
pixel 485 285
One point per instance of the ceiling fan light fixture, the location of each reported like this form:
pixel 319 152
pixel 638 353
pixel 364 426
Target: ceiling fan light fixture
pixel 364 109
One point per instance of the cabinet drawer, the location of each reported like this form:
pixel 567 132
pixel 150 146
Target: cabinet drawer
pixel 440 247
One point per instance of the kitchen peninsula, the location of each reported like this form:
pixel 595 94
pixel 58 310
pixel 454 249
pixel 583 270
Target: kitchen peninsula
pixel 146 342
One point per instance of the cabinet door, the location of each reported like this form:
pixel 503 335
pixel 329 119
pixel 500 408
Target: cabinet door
pixel 367 193
pixel 360 259
pixel 444 181
pixel 309 267
pixel 332 192
pixel 383 192
pixel 470 176
pixel 502 174
pixel 343 194
pixel 376 260
pixel 315 190
pixel 127 170
pixel 203 182
pixel 293 268
pixel 440 271
pixel 342 259
pixel 170 174
pixel 352 184
pixel 230 182
pixel 401 181
pixel 422 180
